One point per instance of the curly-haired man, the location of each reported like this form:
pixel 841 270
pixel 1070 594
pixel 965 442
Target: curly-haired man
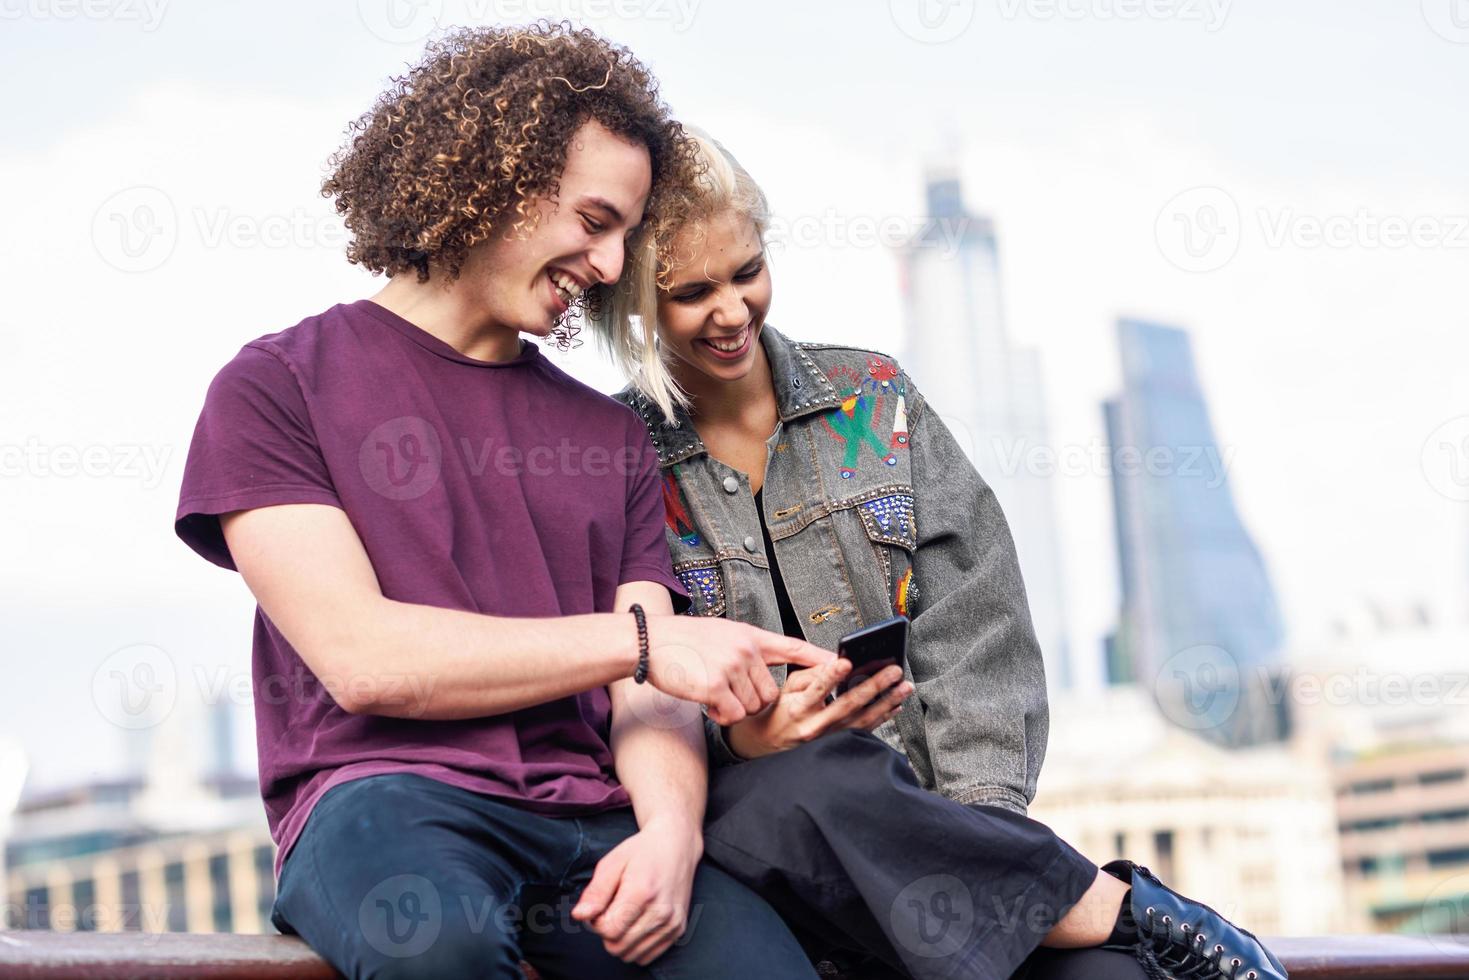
pixel 445 533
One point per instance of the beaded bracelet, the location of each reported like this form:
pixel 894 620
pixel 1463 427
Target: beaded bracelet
pixel 641 674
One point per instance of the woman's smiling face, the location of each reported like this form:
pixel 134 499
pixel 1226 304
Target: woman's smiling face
pixel 710 318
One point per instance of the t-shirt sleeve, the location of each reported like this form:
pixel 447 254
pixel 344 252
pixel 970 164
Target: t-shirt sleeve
pixel 253 446
pixel 645 555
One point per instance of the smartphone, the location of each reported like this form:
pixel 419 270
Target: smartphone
pixel 872 648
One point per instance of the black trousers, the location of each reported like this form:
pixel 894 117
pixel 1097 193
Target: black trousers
pixel 839 837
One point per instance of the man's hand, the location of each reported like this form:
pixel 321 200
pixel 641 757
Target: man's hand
pixel 722 664
pixel 638 898
pixel 802 715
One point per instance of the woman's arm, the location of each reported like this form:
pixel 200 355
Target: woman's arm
pixel 973 652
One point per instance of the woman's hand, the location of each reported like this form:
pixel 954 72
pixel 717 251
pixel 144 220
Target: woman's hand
pixel 801 713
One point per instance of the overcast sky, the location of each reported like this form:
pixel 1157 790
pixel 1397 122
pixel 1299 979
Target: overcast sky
pixel 159 170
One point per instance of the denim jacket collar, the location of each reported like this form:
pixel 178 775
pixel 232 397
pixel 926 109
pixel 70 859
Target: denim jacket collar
pixel 801 388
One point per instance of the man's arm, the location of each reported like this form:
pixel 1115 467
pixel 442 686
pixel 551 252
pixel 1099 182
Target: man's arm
pixel 312 577
pixel 638 898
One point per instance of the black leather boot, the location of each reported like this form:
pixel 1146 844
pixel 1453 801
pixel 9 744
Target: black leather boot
pixel 1179 938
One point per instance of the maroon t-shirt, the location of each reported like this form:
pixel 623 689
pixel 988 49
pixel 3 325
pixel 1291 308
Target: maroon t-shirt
pixel 508 488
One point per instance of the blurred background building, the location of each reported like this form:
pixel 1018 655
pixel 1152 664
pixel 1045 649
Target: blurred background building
pixel 175 848
pixel 957 349
pixel 1251 832
pixel 1199 619
pixel 1386 704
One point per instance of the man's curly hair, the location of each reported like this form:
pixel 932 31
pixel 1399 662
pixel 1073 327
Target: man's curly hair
pixel 462 146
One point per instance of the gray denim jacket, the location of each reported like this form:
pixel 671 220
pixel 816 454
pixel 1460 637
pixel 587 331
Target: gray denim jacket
pixel 873 509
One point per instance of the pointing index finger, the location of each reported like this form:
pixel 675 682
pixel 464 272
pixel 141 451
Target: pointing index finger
pixel 796 652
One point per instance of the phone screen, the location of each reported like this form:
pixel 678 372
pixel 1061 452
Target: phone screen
pixel 873 648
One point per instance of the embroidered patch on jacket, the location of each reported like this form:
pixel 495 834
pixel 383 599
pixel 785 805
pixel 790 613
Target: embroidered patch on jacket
pixel 890 519
pixel 854 422
pixel 883 372
pixel 900 424
pixel 703 583
pixel 904 594
pixel 676 509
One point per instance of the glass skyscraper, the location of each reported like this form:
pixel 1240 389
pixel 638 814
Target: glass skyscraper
pixel 958 352
pixel 1199 622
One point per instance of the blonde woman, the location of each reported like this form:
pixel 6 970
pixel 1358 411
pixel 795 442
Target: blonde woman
pixel 810 489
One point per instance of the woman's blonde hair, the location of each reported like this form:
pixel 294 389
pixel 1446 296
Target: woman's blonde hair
pixel 627 318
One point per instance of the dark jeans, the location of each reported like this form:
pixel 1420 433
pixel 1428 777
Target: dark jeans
pixel 403 876
pixel 841 839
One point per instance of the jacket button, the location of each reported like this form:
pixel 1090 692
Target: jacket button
pixel 751 545
pixel 731 485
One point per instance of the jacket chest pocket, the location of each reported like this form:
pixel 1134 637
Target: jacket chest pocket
pixel 887 517
pixel 704 583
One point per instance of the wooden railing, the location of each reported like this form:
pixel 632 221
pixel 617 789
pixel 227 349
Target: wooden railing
pixel 159 956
